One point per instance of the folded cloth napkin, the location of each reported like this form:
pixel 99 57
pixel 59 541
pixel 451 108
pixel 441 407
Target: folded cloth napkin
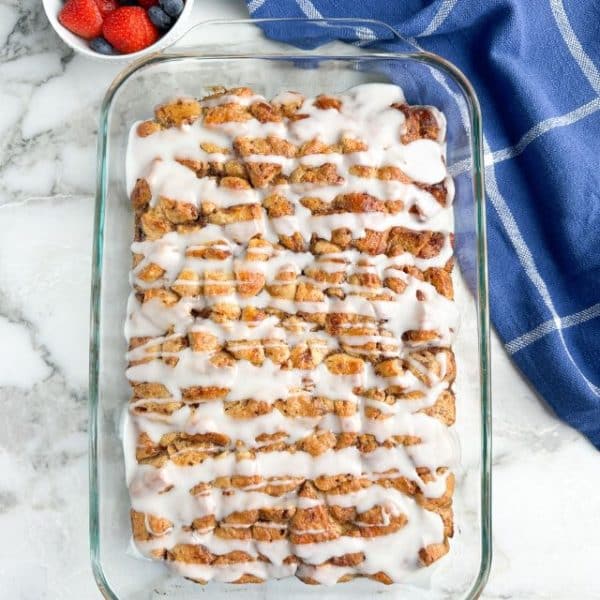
pixel 536 69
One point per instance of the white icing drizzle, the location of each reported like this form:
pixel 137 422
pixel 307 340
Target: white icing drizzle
pixel 365 114
pixel 168 253
pixel 423 527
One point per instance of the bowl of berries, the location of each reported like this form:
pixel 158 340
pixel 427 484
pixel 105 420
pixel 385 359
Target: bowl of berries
pixel 118 29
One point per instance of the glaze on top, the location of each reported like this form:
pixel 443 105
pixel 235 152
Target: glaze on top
pixel 186 276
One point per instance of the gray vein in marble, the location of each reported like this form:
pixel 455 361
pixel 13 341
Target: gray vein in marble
pixel 50 102
pixel 13 316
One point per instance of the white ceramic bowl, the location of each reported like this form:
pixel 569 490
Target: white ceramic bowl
pixel 53 7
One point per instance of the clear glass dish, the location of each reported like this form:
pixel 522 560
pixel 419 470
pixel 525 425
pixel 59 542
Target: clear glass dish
pixel 269 67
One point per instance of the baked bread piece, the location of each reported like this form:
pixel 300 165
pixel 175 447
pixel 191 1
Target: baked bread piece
pixel 290 327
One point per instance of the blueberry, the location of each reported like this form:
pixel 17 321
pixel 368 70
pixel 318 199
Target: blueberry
pixel 159 17
pixel 101 46
pixel 172 7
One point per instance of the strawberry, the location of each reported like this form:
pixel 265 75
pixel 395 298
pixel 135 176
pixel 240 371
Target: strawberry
pixel 106 6
pixel 82 17
pixel 129 29
pixel 147 3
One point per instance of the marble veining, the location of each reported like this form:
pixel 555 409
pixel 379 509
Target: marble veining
pixel 546 503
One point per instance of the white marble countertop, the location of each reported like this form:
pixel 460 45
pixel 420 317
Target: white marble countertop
pixel 545 494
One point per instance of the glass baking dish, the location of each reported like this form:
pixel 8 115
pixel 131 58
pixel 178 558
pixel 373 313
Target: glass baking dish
pixel 270 67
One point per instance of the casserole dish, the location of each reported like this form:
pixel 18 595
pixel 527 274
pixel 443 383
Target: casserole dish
pixel 269 67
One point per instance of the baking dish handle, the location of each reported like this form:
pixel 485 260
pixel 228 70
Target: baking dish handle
pixel 295 33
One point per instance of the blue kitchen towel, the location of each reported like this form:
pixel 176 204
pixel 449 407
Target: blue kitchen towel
pixel 535 66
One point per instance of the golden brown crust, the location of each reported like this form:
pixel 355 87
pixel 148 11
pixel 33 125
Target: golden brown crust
pixel 147 128
pixel 226 113
pixel 185 449
pixel 429 554
pixel 325 174
pixel 148 527
pixel 419 367
pixel 420 123
pixel 179 112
